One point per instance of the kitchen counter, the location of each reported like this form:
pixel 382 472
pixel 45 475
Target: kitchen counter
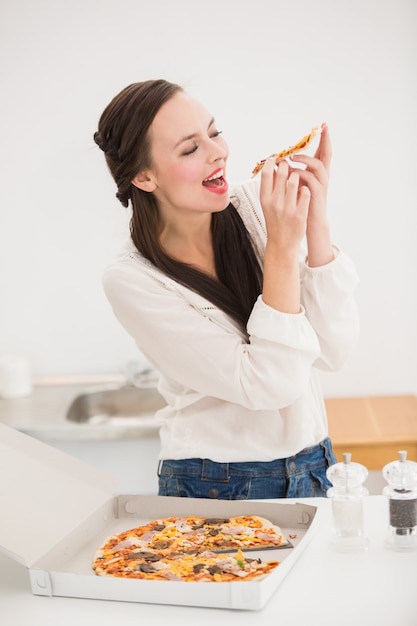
pixel 43 413
pixel 324 587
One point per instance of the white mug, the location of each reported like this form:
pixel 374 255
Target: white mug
pixel 15 376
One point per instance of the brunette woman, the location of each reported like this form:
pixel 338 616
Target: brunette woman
pixel 236 295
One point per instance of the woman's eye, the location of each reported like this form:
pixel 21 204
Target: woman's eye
pixel 193 149
pixel 213 135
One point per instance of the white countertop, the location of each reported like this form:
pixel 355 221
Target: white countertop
pixel 377 587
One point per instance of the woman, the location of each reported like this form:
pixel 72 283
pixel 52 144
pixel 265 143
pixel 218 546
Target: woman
pixel 216 289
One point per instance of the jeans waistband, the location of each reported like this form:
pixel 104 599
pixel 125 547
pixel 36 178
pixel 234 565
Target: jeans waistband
pixel 308 458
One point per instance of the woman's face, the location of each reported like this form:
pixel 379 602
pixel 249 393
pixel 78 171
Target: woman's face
pixel 189 155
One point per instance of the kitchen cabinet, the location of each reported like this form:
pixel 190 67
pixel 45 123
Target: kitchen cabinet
pixel 373 428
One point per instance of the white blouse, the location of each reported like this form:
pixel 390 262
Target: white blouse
pixel 230 399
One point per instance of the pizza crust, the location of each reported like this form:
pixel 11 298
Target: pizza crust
pixel 297 148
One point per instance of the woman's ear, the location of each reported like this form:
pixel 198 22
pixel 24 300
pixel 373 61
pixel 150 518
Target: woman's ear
pixel 142 181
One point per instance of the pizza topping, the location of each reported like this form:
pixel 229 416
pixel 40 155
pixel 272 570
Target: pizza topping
pixel 238 530
pixel 127 543
pixel 147 556
pixel 160 545
pixel 182 525
pixel 213 521
pixel 147 536
pixel 147 568
pixel 266 537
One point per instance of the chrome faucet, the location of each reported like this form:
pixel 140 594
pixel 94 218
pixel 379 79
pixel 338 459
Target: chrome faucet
pixel 139 376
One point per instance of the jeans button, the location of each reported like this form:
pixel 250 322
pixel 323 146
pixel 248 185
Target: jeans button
pixel 213 493
pixel 293 466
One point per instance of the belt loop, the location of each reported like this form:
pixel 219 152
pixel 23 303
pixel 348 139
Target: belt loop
pixel 205 469
pixel 212 470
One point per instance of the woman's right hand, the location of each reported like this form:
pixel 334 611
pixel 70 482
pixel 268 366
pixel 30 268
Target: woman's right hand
pixel 285 204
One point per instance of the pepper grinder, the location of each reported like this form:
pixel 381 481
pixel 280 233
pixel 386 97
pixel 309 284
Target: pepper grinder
pixel 347 496
pixel 401 476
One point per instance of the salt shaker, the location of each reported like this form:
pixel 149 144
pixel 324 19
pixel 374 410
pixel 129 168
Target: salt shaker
pixel 401 476
pixel 347 496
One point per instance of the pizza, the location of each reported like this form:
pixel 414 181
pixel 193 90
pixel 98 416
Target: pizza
pixel 296 149
pixel 191 549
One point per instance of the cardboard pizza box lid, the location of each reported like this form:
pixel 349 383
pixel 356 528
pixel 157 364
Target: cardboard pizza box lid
pixel 44 494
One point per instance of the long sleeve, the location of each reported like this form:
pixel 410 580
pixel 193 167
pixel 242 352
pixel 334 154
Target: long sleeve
pixel 329 302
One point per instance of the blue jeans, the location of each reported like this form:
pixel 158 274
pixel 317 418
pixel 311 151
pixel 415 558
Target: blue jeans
pixel 299 476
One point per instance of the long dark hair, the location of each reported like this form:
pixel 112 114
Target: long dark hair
pixel 123 136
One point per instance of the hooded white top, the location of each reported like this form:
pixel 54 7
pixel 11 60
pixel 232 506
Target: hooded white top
pixel 231 399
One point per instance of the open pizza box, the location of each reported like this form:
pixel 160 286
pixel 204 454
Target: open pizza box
pixel 57 510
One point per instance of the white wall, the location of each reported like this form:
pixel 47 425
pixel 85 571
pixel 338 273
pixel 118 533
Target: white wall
pixel 268 70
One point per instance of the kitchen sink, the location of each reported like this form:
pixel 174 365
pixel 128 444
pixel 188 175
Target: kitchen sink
pixel 122 406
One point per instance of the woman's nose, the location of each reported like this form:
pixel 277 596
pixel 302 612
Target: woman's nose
pixel 219 150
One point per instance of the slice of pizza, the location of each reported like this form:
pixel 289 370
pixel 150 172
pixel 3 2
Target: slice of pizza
pixel 241 532
pixel 203 567
pixel 295 149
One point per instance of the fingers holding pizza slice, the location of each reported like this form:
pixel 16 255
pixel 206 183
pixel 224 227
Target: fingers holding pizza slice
pixel 297 148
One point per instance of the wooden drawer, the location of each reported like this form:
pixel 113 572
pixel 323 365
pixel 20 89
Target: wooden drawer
pixel 373 428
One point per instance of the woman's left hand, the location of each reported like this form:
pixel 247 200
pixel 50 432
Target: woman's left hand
pixel 315 176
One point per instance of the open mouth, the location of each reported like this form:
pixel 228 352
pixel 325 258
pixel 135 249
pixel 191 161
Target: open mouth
pixel 215 181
